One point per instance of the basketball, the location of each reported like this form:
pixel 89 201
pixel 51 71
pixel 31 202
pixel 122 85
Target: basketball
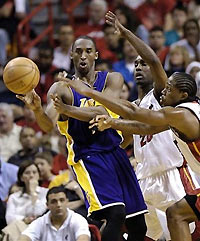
pixel 21 75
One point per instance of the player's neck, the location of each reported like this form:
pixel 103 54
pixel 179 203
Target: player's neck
pixel 143 90
pixel 89 79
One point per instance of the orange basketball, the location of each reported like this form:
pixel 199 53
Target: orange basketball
pixel 21 75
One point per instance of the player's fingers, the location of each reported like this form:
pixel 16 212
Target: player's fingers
pixel 20 98
pixel 93 125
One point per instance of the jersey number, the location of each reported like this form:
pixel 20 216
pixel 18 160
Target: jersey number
pixel 145 139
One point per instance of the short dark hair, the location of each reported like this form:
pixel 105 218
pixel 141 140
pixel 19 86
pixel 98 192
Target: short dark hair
pixel 46 155
pixel 180 6
pixel 186 83
pixel 56 190
pixel 84 37
pixel 156 28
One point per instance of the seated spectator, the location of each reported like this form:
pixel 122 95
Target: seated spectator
pixel 113 44
pixel 46 67
pixel 191 39
pixel 157 43
pixel 126 66
pixel 9 133
pixel 62 58
pixel 179 16
pixel 44 162
pixel 28 203
pixel 96 20
pixel 60 157
pixel 59 222
pixel 193 68
pixel 8 176
pixel 29 149
pixel 29 120
pixel 178 59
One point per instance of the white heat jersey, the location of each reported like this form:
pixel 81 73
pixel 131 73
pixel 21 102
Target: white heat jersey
pixel 155 153
pixel 190 150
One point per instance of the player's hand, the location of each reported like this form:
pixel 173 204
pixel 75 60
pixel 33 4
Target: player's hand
pixel 77 84
pixel 32 100
pixel 58 104
pixel 102 122
pixel 112 20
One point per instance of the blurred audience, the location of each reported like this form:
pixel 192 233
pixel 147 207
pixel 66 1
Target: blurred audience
pixel 62 58
pixel 29 149
pixel 30 202
pixel 191 39
pixel 177 60
pixel 126 66
pixel 28 120
pixel 46 67
pixel 9 133
pixel 8 176
pixel 179 17
pixel 157 42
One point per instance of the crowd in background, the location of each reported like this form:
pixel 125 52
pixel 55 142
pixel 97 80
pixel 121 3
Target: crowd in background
pixel 38 160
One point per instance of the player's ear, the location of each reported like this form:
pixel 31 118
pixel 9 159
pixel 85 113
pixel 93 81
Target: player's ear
pixel 184 95
pixel 96 55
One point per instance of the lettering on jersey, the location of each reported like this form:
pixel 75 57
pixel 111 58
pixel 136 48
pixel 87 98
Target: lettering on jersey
pixel 145 139
pixel 87 103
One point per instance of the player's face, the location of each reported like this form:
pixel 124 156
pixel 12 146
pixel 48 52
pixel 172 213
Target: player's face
pixel 171 95
pixel 84 55
pixel 57 204
pixel 142 72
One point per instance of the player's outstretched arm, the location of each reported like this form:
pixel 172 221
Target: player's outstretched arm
pixel 181 119
pixel 146 53
pixel 32 101
pixel 109 98
pixel 104 122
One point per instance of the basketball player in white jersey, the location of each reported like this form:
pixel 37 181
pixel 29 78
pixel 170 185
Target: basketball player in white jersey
pixel 157 155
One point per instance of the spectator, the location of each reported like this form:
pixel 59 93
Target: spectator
pixel 44 162
pixel 28 203
pixel 157 43
pixel 9 133
pixel 193 68
pixel 62 58
pixel 113 44
pixel 93 28
pixel 29 149
pixel 178 58
pixel 179 16
pixel 126 66
pixel 46 67
pixel 59 222
pixel 191 39
pixel 29 120
pixel 8 176
pixel 125 91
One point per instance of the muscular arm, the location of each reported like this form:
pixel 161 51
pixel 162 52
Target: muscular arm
pixel 135 127
pixel 183 120
pixel 112 89
pixel 147 54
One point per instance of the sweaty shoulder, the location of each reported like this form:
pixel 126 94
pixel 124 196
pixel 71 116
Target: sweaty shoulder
pixel 61 89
